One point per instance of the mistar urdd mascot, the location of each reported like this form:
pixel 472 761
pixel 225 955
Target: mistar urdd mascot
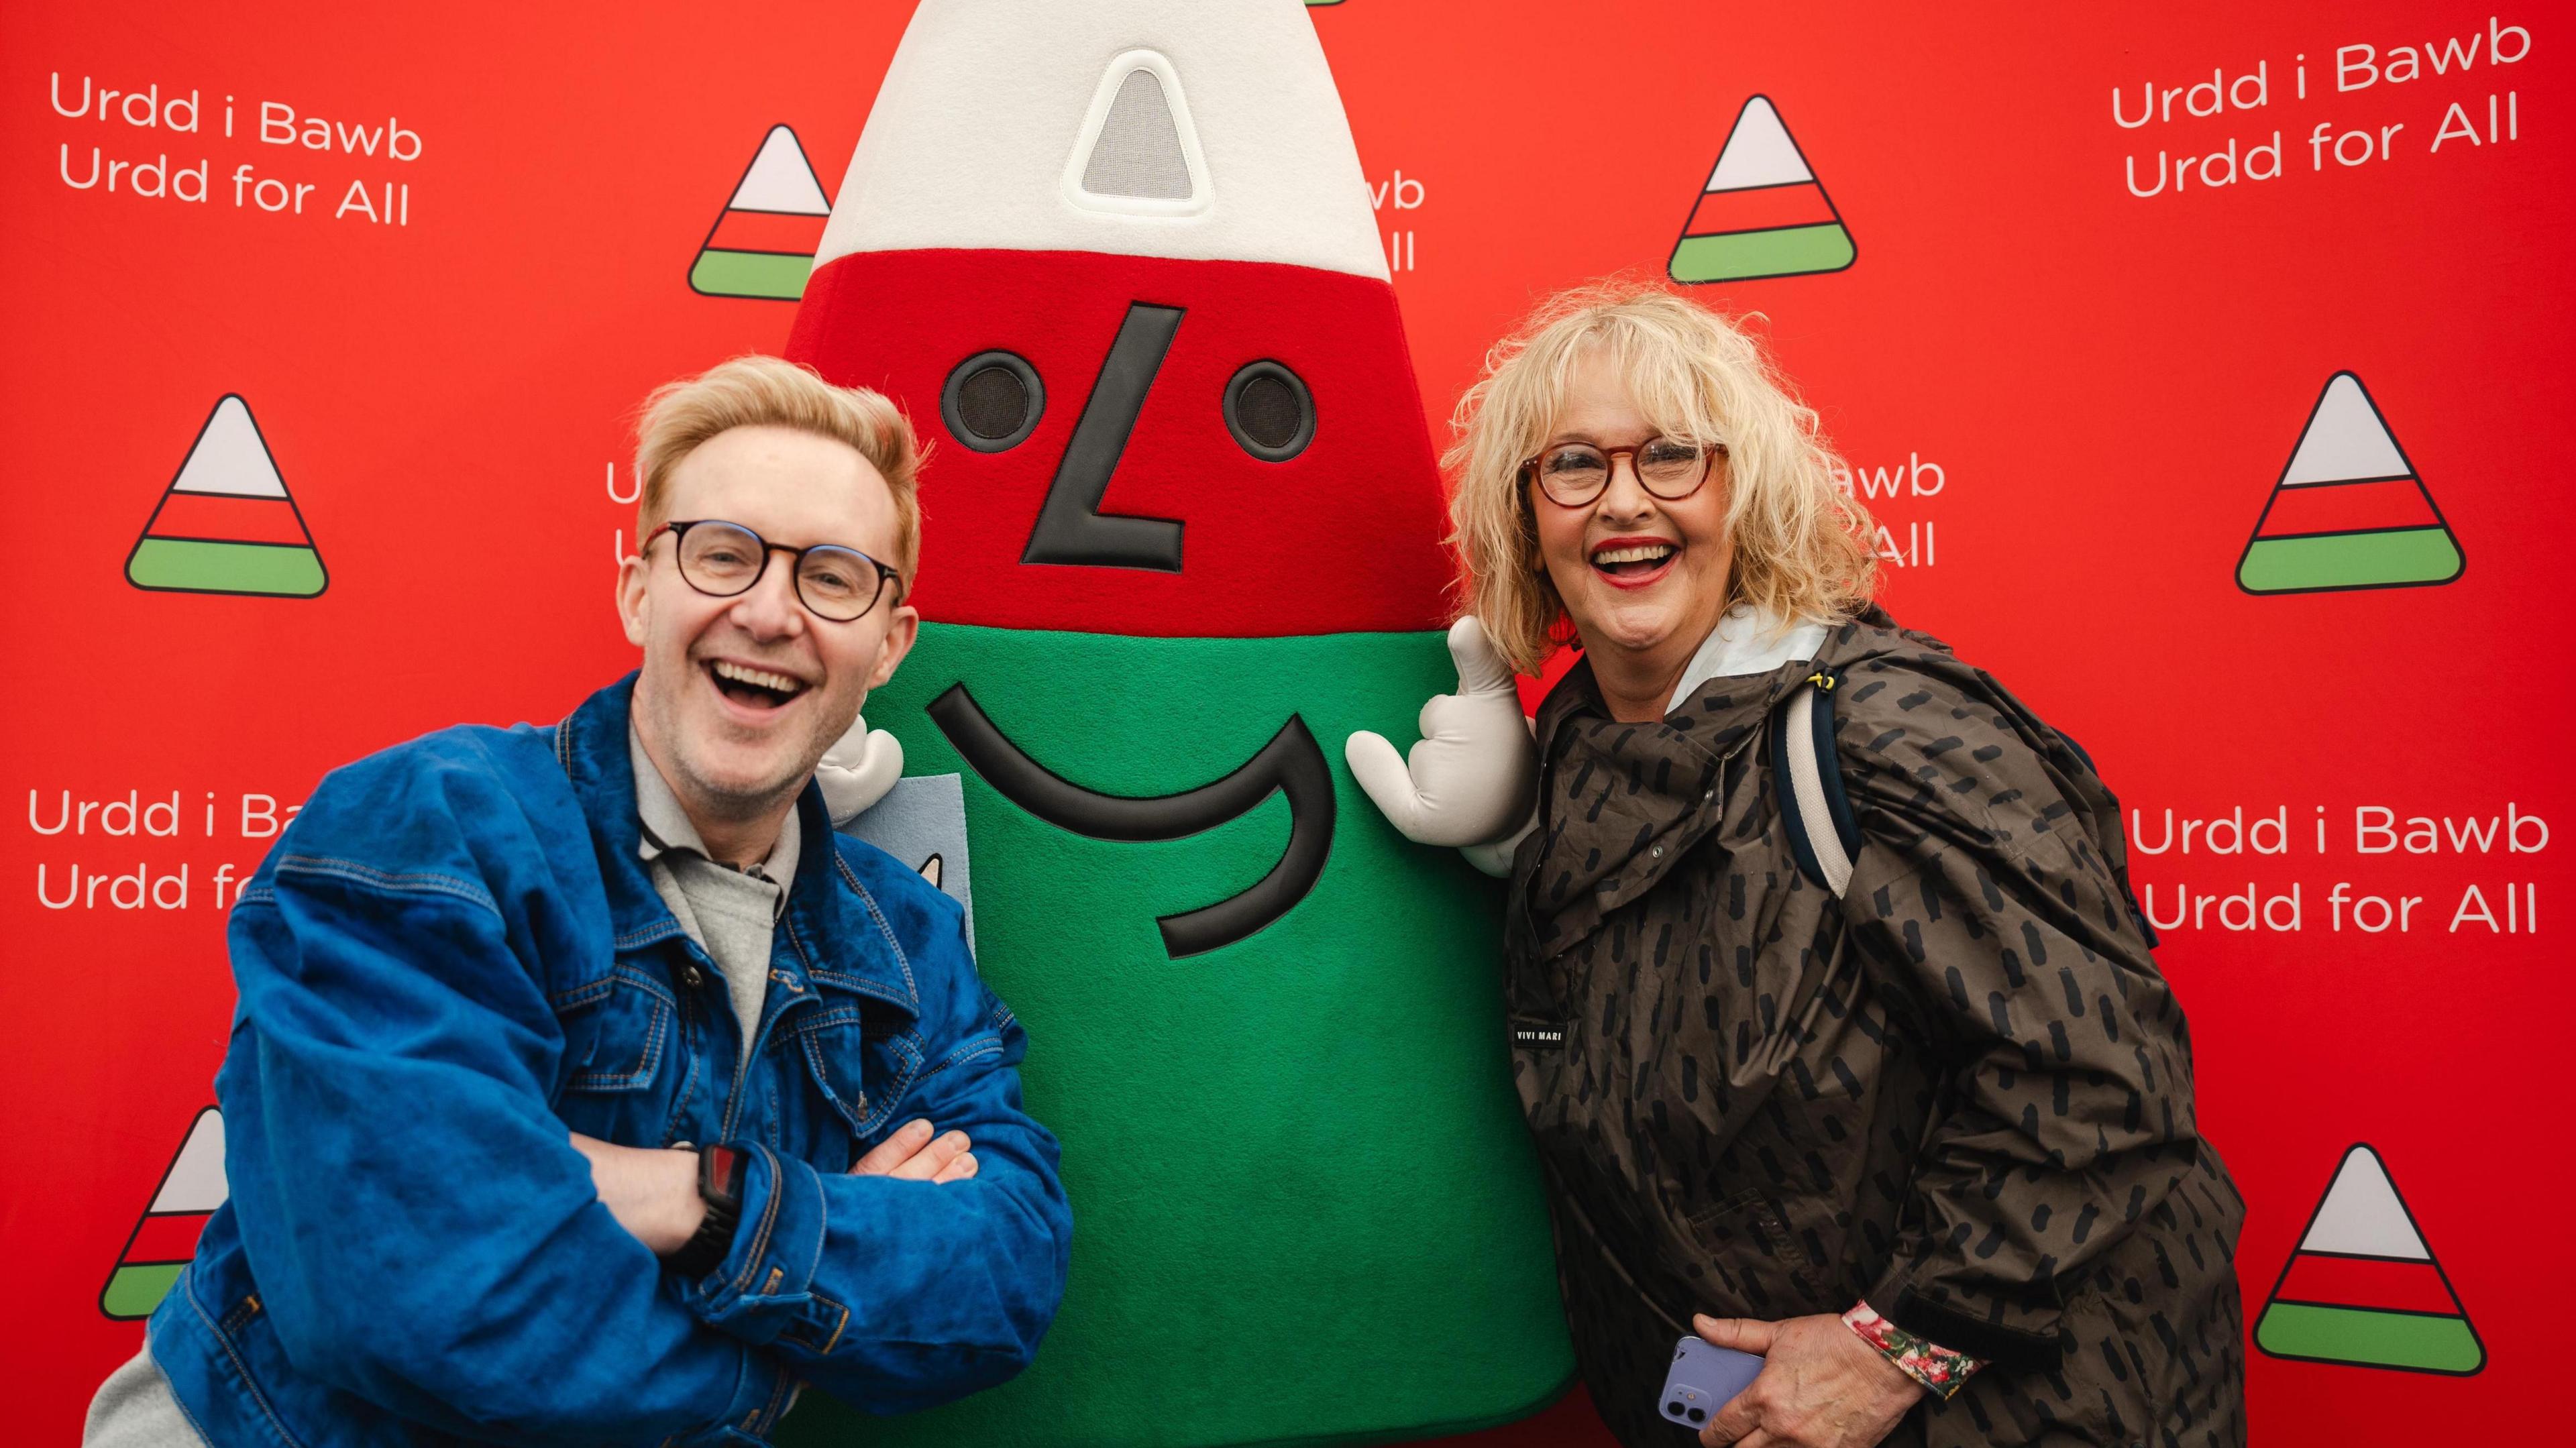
pixel 1182 540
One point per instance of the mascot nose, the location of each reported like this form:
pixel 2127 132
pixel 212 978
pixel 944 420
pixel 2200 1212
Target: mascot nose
pixel 1070 527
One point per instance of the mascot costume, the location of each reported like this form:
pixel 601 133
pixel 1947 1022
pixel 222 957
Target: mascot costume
pixel 1182 530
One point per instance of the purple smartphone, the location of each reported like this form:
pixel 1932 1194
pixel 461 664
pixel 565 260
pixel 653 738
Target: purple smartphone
pixel 1703 1378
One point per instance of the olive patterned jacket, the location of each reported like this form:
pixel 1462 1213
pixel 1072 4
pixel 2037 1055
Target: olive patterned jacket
pixel 1962 1092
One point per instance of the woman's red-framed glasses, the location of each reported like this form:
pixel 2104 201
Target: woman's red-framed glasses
pixel 724 560
pixel 1574 473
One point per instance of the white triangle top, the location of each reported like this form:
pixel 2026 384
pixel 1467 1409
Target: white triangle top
pixel 2345 439
pixel 2361 1214
pixel 1173 128
pixel 780 179
pixel 196 1180
pixel 1758 152
pixel 228 457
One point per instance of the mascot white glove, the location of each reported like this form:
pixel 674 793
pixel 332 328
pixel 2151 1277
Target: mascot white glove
pixel 1472 781
pixel 856 772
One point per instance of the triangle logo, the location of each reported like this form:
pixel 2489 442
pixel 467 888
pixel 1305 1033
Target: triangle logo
pixel 165 1236
pixel 764 240
pixel 226 523
pixel 2363 1288
pixel 1763 213
pixel 1138 151
pixel 2349 511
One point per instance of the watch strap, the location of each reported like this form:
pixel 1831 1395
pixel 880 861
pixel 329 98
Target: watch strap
pixel 720 1177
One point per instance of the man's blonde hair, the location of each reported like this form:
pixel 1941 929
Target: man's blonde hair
pixel 772 392
pixel 1800 543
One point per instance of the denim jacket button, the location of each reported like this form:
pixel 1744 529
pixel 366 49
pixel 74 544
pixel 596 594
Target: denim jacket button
pixel 691 977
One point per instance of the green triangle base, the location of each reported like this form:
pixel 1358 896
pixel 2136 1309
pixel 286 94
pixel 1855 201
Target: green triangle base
pixel 760 275
pixel 1744 255
pixel 190 565
pixel 2396 559
pixel 2369 1338
pixel 138 1288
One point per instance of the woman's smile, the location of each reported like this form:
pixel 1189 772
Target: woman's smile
pixel 1635 562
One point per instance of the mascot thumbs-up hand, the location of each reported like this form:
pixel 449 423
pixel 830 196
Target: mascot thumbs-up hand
pixel 856 772
pixel 1472 781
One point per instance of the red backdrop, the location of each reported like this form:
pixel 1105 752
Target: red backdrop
pixel 2068 401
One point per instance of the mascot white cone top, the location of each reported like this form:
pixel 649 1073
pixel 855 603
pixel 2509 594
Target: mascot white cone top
pixel 1175 128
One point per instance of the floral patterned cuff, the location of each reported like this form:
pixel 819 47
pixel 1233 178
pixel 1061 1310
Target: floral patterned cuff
pixel 1938 1369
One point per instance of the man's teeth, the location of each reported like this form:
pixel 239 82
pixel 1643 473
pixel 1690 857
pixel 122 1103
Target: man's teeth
pixel 757 678
pixel 1643 553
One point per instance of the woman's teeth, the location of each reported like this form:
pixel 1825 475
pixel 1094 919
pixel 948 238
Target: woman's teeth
pixel 1635 558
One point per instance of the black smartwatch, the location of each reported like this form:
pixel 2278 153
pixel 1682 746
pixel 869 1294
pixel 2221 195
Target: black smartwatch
pixel 720 1172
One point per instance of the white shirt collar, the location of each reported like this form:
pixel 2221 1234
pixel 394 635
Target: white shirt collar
pixel 664 823
pixel 1746 642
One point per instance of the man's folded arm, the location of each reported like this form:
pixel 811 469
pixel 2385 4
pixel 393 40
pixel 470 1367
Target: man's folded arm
pixel 421 1230
pixel 893 1294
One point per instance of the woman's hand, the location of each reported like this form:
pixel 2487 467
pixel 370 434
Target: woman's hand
pixel 1820 1386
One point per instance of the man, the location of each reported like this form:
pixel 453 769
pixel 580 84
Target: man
pixel 584 1082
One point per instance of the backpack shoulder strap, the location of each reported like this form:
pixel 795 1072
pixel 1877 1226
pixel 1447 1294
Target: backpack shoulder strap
pixel 1807 777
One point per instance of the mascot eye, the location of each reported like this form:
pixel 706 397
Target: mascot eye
pixel 992 401
pixel 1269 411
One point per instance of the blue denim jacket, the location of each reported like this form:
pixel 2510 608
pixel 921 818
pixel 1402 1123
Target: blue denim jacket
pixel 451 957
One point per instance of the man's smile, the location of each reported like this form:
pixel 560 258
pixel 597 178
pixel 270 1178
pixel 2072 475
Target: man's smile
pixel 753 689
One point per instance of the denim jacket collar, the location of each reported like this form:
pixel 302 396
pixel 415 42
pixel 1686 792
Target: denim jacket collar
pixel 836 927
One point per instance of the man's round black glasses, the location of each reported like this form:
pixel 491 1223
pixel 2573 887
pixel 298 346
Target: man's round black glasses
pixel 723 560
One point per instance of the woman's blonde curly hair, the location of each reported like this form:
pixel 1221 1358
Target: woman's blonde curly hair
pixel 1801 543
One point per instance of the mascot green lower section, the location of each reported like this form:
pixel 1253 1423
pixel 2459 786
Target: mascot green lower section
pixel 1305 1206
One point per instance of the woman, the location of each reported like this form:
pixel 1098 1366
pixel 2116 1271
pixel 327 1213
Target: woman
pixel 1925 1142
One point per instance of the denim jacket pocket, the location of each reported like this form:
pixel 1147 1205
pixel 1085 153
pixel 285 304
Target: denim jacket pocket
pixel 857 1075
pixel 616 1031
pixel 621 1043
